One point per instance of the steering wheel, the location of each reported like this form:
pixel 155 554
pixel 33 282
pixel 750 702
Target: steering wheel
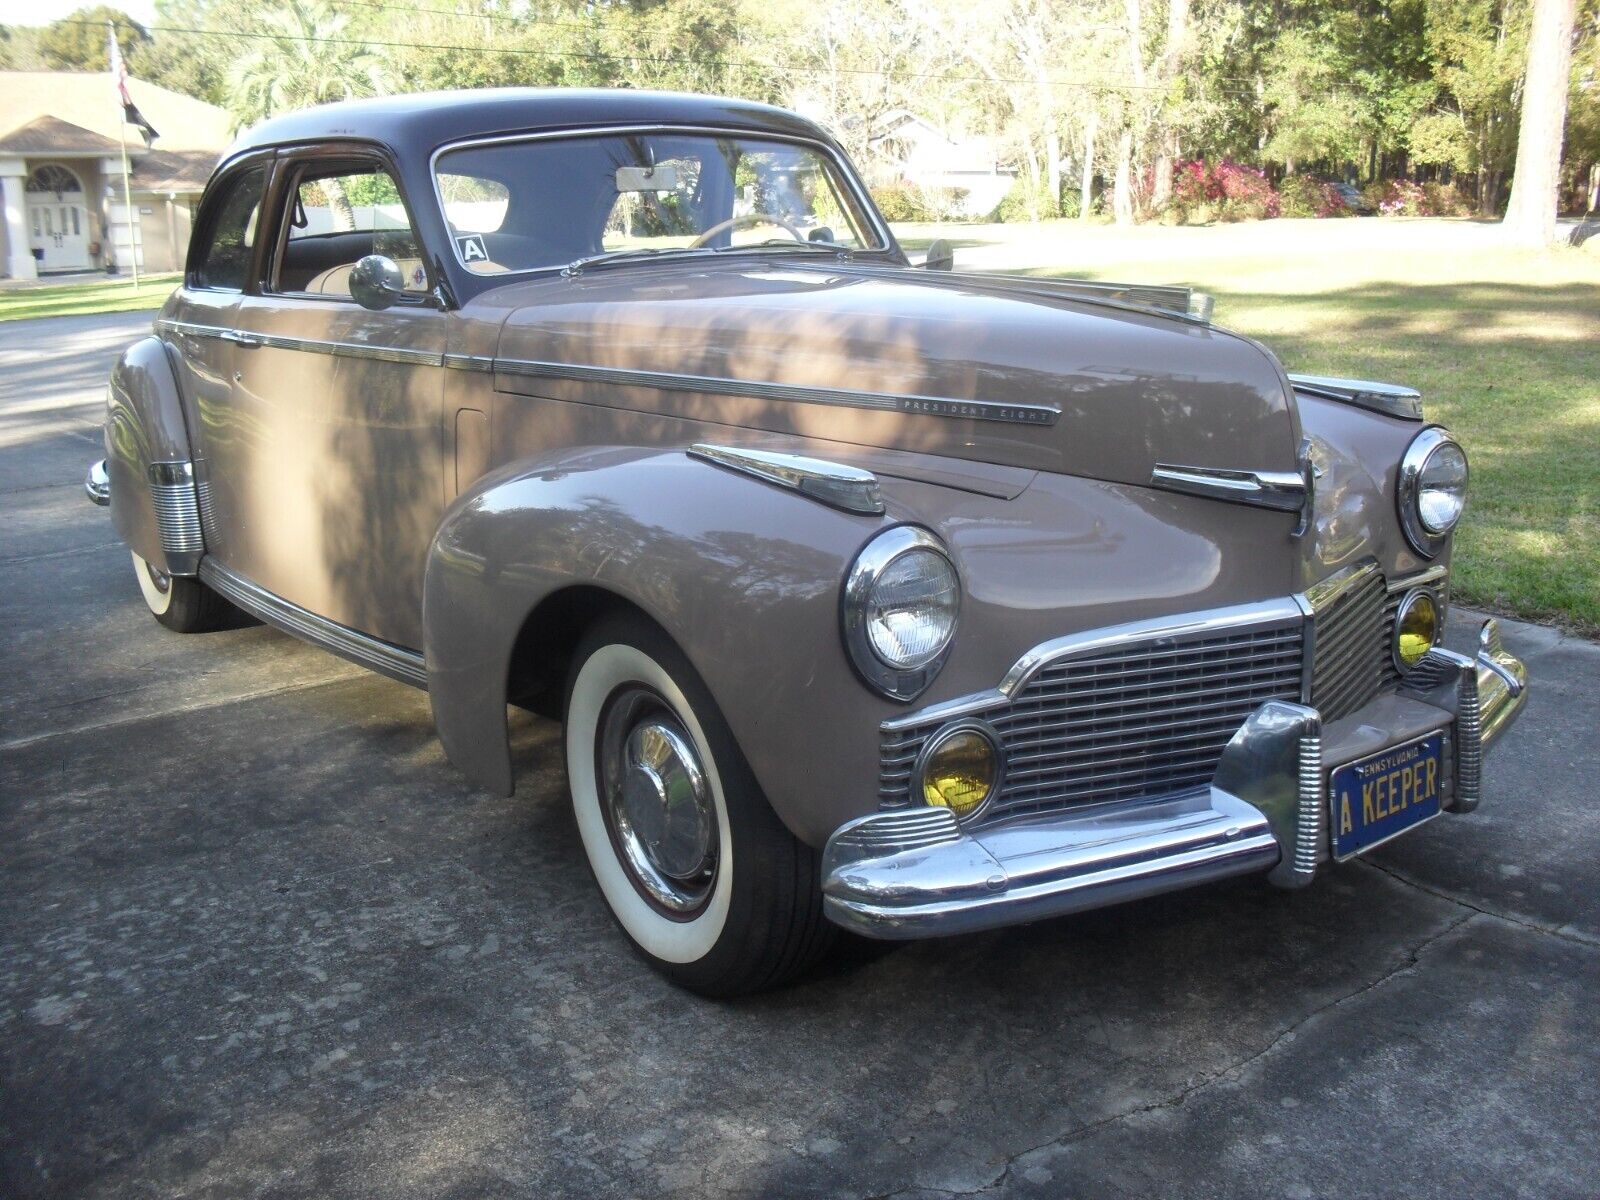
pixel 745 221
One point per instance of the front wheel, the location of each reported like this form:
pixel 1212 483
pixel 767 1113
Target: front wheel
pixel 696 868
pixel 181 604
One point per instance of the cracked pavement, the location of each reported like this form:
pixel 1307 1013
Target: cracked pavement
pixel 257 938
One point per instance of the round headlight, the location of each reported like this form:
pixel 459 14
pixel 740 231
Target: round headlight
pixel 960 769
pixel 1416 629
pixel 1432 489
pixel 901 600
pixel 1442 488
pixel 911 609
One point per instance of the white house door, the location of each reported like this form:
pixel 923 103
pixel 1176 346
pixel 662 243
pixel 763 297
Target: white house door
pixel 58 222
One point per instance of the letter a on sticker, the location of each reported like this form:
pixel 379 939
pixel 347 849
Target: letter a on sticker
pixel 472 250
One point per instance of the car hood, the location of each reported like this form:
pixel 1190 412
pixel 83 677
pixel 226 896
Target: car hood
pixel 896 358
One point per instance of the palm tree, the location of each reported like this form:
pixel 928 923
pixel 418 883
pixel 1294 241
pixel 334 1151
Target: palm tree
pixel 309 57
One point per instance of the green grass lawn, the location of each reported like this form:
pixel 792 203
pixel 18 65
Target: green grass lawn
pixel 1504 345
pixel 113 294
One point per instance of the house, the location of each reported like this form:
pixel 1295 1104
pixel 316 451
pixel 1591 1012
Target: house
pixel 61 139
pixel 910 148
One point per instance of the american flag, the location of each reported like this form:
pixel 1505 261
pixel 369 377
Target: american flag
pixel 119 72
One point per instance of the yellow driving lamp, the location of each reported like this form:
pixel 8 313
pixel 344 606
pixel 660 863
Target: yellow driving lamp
pixel 960 770
pixel 1416 629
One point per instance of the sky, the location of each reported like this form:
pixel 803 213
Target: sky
pixel 42 12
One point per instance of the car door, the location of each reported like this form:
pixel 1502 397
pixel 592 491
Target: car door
pixel 337 481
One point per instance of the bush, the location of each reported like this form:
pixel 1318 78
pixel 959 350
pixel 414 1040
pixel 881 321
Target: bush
pixel 901 201
pixel 1301 196
pixel 1445 200
pixel 1228 190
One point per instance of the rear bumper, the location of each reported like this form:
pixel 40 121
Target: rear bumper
pixel 912 873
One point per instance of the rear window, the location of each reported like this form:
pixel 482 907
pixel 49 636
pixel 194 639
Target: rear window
pixel 224 261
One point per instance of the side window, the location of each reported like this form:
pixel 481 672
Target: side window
pixel 225 264
pixel 338 216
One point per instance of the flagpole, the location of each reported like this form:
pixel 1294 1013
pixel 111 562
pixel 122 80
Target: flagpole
pixel 127 200
pixel 114 56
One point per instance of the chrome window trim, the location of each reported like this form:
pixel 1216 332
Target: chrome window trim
pixel 1282 490
pixel 1390 399
pixel 1206 621
pixel 865 568
pixel 849 489
pixel 397 662
pixel 840 163
pixel 980 410
pixel 1423 540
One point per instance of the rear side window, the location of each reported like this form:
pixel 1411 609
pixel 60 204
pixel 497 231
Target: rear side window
pixel 225 263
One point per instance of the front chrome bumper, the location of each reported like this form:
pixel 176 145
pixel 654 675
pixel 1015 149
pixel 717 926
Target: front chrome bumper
pixel 915 872
pixel 98 484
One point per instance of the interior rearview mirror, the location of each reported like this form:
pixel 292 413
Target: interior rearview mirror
pixel 647 179
pixel 376 282
pixel 941 256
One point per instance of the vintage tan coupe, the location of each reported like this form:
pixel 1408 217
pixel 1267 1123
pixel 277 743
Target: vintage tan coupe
pixel 871 594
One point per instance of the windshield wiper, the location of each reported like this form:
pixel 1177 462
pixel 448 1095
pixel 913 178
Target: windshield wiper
pixel 610 256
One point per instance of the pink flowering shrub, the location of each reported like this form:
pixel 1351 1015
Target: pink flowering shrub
pixel 1202 191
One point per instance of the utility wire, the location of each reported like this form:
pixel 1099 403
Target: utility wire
pixel 625 56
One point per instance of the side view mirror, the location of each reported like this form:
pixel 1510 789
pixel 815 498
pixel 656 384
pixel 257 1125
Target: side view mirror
pixel 376 282
pixel 821 234
pixel 941 256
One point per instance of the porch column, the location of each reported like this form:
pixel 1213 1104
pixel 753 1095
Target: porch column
pixel 13 190
pixel 122 223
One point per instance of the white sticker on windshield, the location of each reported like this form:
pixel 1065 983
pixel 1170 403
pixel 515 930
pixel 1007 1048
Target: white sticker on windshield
pixel 472 249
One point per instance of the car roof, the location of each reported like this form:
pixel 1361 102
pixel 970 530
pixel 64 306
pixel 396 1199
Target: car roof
pixel 421 122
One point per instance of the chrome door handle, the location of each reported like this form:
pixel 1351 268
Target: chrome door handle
pixel 245 340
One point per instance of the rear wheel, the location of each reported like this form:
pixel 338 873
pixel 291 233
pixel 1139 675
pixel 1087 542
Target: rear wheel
pixel 182 604
pixel 696 868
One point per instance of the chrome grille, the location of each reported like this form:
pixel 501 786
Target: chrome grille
pixel 1349 644
pixel 1117 723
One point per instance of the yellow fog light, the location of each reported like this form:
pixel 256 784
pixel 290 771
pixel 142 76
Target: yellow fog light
pixel 1416 629
pixel 960 769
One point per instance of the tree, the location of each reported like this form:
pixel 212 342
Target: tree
pixel 1531 216
pixel 78 42
pixel 310 55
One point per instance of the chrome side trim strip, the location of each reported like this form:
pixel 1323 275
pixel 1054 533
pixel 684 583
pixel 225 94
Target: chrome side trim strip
pixel 469 362
pixel 848 488
pixel 981 410
pixel 396 354
pixel 396 662
pixel 1282 490
pixel 1390 399
pixel 1284 611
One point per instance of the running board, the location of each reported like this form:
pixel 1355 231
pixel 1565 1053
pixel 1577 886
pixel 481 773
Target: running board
pixel 362 649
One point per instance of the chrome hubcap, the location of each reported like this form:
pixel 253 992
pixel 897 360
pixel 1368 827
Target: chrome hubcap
pixel 657 802
pixel 158 577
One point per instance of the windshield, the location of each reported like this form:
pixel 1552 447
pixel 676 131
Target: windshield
pixel 523 206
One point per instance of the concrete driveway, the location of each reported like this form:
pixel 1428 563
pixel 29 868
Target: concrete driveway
pixel 258 938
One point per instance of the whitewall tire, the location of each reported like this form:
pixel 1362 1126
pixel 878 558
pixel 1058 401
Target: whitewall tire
pixel 182 604
pixel 699 873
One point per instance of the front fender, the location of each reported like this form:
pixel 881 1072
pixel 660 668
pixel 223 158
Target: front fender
pixel 145 427
pixel 744 576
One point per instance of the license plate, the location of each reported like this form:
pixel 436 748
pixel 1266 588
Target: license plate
pixel 1382 796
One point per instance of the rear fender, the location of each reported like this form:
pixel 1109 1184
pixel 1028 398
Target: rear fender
pixel 149 461
pixel 744 577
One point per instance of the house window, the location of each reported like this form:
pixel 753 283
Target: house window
pixel 55 179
